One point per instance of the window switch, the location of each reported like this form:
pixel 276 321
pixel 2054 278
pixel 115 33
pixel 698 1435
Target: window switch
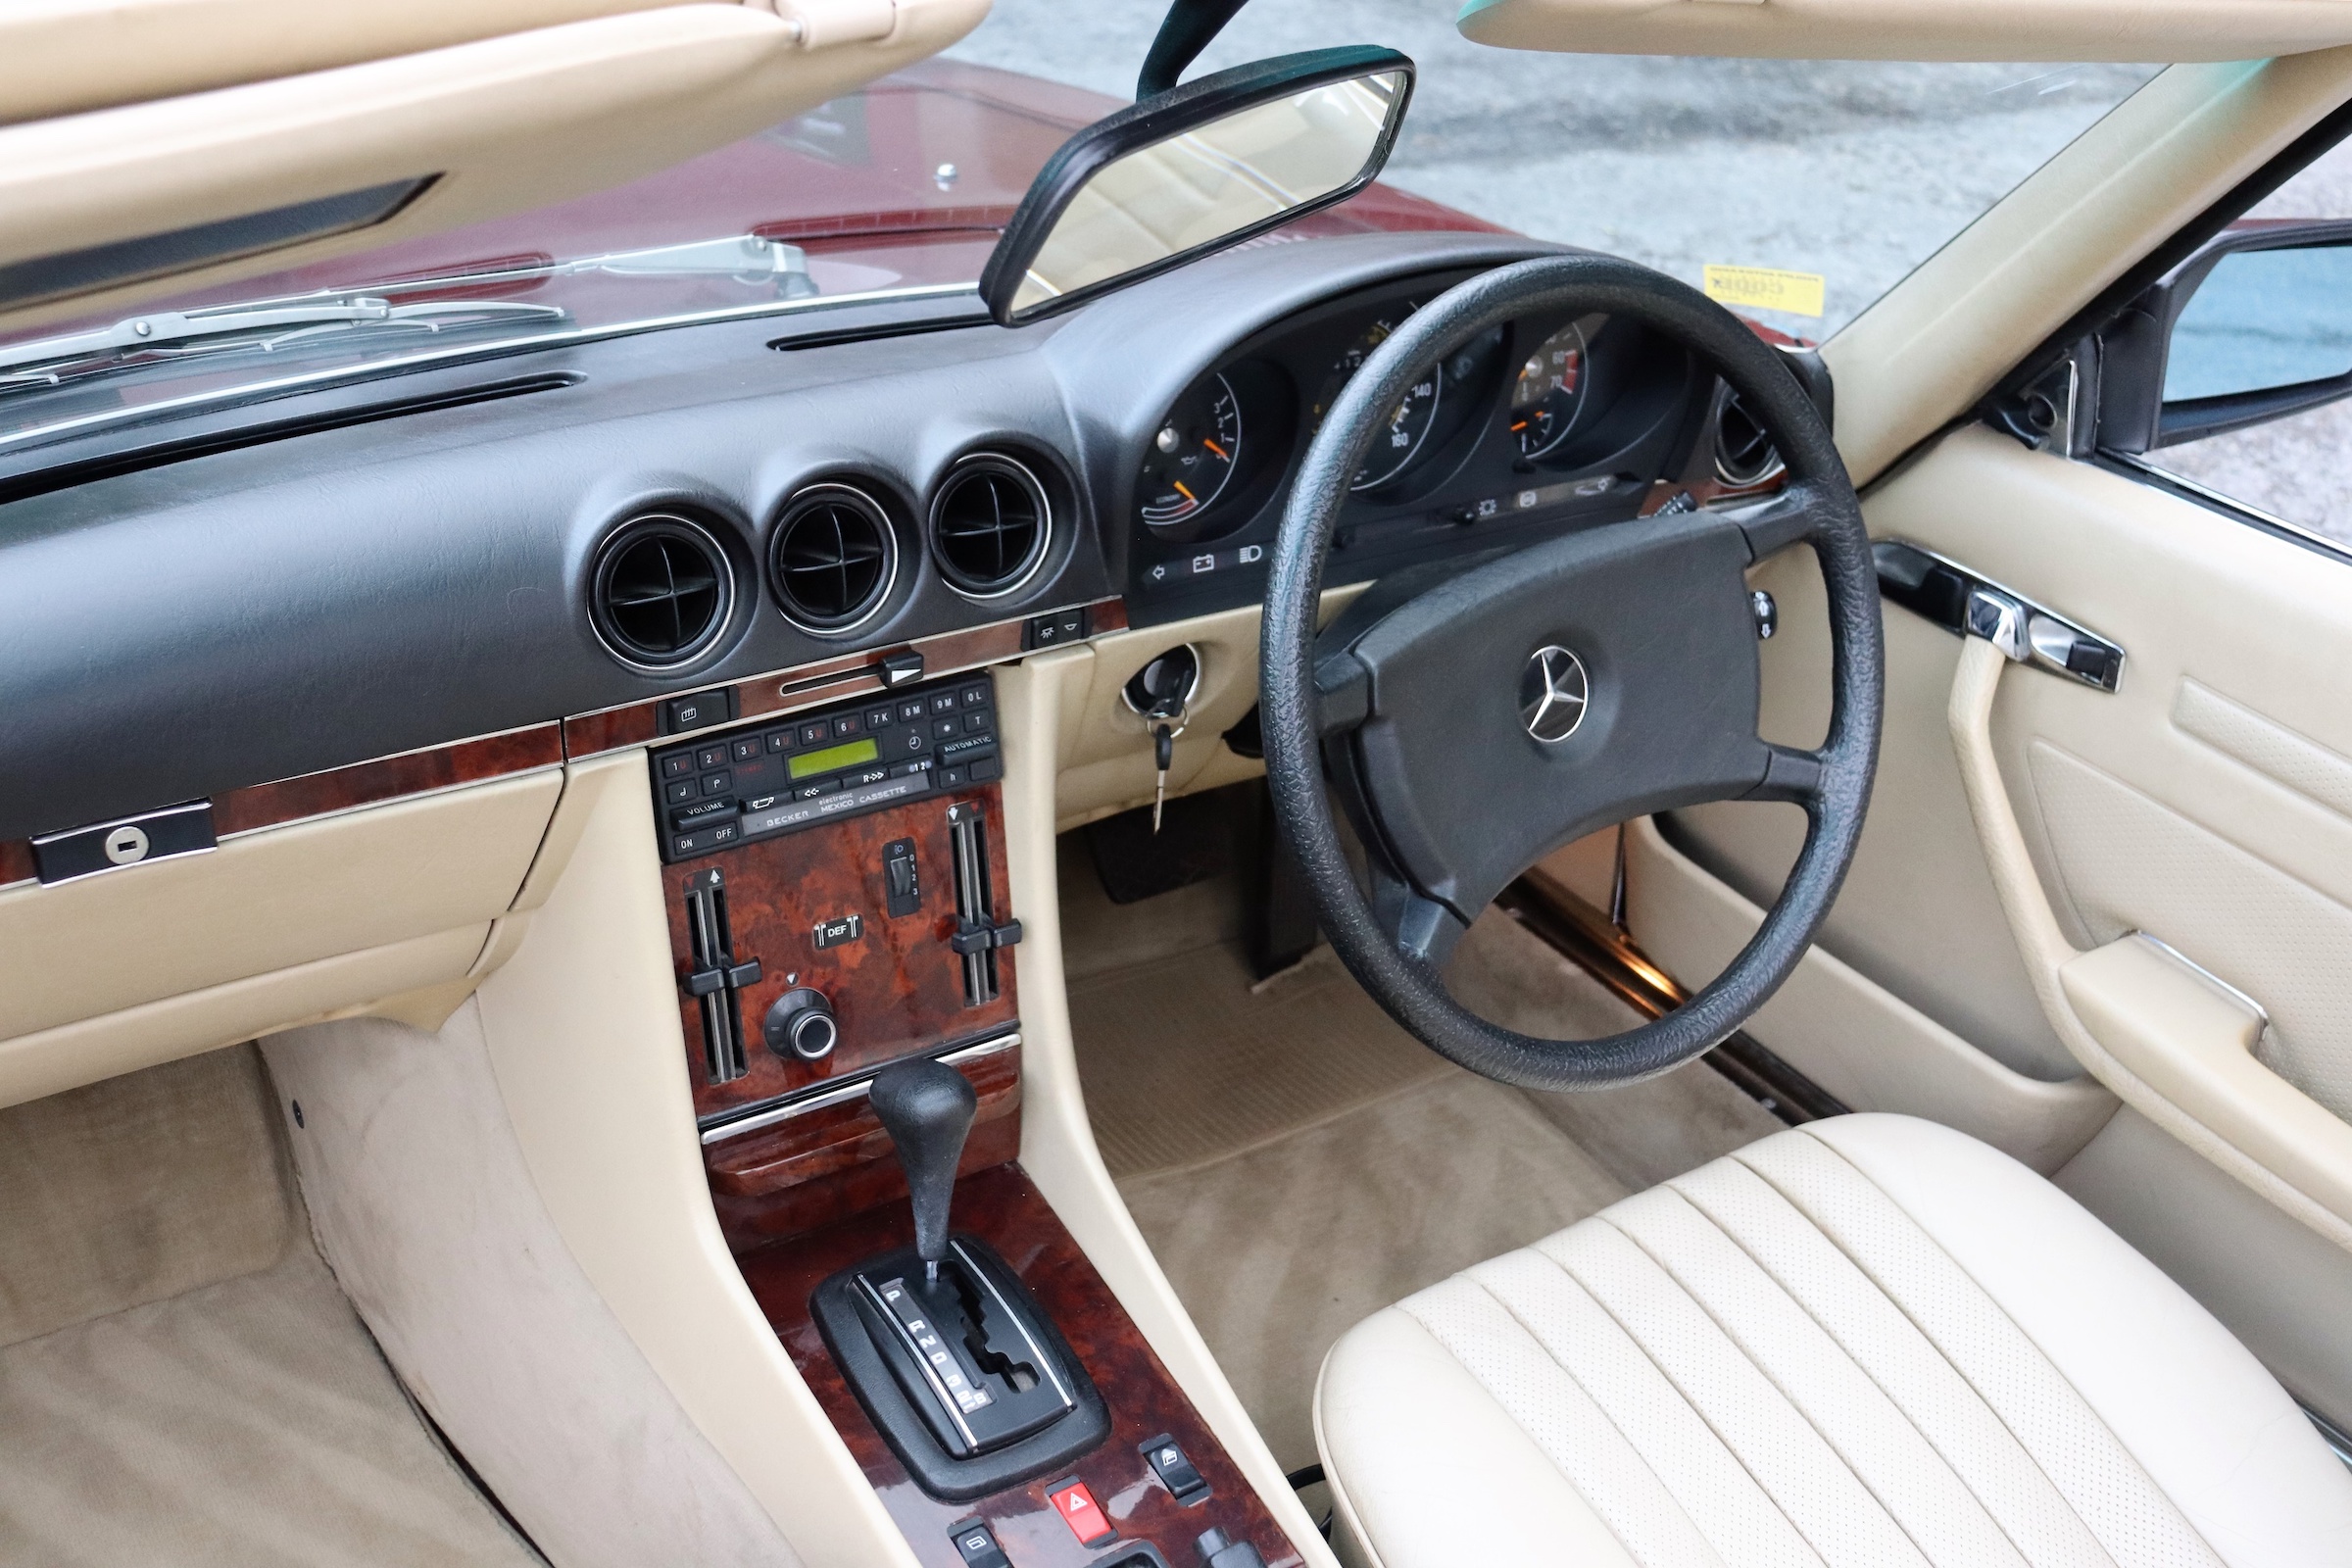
pixel 1176 1472
pixel 977 1545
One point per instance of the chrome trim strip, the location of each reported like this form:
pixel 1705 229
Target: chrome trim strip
pixel 315 379
pixel 829 1095
pixel 2261 1012
pixel 939 1389
pixel 1037 1352
pixel 2230 505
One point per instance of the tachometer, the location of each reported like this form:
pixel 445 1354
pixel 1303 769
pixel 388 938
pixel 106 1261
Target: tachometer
pixel 1192 457
pixel 1399 442
pixel 1549 392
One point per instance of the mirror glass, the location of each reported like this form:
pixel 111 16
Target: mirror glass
pixel 1243 171
pixel 2264 320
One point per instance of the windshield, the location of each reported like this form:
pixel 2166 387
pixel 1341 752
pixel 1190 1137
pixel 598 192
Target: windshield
pixel 1796 191
pixel 1845 172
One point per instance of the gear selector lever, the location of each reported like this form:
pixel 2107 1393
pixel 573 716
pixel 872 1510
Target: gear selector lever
pixel 961 1370
pixel 927 1108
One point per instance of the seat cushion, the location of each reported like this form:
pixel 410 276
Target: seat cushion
pixel 1868 1341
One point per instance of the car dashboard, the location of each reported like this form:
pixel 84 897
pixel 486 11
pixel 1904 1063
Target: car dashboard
pixel 688 716
pixel 312 581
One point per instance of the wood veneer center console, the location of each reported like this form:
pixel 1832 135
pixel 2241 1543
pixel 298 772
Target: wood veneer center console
pixel 857 853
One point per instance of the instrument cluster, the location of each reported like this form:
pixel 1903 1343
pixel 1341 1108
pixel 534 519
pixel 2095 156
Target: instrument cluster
pixel 1539 424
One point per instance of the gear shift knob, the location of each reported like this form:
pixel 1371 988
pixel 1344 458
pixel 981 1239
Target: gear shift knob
pixel 927 1108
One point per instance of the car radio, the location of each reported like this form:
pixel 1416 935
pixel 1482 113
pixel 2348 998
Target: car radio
pixel 750 784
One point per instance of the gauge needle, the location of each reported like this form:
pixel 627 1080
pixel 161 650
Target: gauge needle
pixel 1213 447
pixel 1521 425
pixel 1187 494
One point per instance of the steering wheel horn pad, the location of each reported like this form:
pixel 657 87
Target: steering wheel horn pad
pixel 1464 796
pixel 1425 704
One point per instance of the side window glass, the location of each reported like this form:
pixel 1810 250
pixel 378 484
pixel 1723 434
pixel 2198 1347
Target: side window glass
pixel 2267 337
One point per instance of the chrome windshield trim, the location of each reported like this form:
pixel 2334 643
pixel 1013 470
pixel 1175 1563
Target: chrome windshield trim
pixel 281 386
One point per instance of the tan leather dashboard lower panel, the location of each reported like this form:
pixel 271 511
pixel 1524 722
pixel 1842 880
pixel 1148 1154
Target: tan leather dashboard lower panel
pixel 273 928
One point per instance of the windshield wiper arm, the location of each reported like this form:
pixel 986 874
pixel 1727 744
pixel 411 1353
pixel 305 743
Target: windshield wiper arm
pixel 266 326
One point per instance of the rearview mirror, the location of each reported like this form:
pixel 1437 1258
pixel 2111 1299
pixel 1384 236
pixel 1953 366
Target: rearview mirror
pixel 1195 170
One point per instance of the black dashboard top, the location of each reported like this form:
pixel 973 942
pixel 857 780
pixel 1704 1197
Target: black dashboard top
pixel 335 575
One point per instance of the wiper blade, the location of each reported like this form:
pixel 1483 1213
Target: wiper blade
pixel 266 326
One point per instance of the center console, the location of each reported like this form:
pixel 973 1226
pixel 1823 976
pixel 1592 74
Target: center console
pixel 840 922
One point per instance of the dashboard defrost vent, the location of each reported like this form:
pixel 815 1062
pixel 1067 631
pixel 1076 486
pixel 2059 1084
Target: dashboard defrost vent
pixel 1743 454
pixel 833 558
pixel 989 525
pixel 661 591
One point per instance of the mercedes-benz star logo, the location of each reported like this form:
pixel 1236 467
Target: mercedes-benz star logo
pixel 1552 693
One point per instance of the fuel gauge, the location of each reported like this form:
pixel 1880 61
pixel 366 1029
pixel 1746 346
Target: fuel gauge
pixel 1192 457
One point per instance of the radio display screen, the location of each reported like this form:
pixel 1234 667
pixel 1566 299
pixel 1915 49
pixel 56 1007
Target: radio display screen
pixel 848 755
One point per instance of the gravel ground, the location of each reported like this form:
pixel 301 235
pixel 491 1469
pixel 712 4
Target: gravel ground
pixel 1856 170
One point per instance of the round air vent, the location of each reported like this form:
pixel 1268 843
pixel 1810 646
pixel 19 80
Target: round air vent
pixel 1744 456
pixel 833 558
pixel 661 591
pixel 989 525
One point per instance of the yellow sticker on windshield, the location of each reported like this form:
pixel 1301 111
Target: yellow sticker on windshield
pixel 1766 289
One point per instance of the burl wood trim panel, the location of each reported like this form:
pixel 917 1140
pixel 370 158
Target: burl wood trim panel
pixel 1000 1206
pixel 819 1143
pixel 822 1199
pixel 829 681
pixel 340 789
pixel 897 991
pixel 387 778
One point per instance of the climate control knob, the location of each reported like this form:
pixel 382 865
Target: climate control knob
pixel 801 1026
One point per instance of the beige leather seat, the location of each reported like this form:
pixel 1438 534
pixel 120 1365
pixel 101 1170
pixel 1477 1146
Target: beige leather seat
pixel 1865 1342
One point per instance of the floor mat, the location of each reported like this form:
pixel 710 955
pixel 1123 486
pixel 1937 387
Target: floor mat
pixel 1279 1250
pixel 187 1386
pixel 248 1423
pixel 1184 1061
pixel 1298 1161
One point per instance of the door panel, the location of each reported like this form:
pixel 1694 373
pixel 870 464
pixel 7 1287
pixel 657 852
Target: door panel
pixel 1954 960
pixel 2136 820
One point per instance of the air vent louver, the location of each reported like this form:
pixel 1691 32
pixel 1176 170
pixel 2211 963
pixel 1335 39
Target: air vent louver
pixel 989 525
pixel 661 592
pixel 1743 454
pixel 833 558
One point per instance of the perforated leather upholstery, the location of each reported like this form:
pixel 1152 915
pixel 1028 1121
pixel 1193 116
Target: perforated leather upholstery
pixel 1870 1341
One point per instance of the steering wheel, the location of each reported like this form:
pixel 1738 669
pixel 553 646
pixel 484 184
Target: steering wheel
pixel 1559 689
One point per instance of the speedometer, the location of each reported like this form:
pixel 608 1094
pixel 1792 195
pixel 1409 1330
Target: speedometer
pixel 1409 423
pixel 1549 392
pixel 1192 458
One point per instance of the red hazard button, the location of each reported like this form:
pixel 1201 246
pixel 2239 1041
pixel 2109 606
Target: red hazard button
pixel 1080 1511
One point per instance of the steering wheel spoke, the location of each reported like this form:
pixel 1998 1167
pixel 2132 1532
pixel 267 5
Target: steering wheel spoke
pixel 1798 513
pixel 1791 774
pixel 1478 720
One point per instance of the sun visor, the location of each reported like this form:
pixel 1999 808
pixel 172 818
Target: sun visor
pixel 112 206
pixel 2143 31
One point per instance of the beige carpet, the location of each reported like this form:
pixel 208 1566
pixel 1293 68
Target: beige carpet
pixel 203 1395
pixel 1298 1161
pixel 135 1189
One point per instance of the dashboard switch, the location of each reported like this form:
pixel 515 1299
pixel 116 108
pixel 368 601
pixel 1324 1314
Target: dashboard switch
pixel 1080 1511
pixel 802 1024
pixel 901 886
